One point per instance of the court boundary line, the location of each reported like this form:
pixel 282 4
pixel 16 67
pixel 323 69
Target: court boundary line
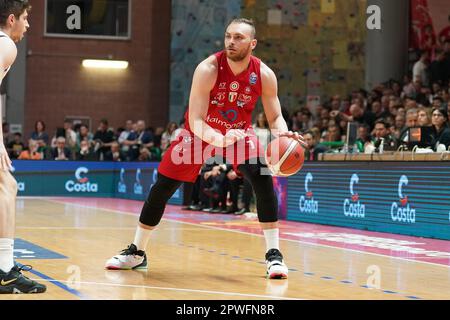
pixel 60 284
pixel 175 289
pixel 252 234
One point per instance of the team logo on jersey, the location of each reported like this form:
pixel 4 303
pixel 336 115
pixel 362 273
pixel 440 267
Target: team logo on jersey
pixel 220 96
pixel 243 100
pixel 253 78
pixel 230 115
pixel 234 86
pixel 223 86
pixel 248 90
pixel 232 96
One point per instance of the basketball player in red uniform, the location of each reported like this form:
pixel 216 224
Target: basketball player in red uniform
pixel 13 25
pixel 225 89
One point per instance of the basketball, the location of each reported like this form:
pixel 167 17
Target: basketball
pixel 285 156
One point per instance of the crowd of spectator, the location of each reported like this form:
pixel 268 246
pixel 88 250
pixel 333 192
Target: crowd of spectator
pixel 133 142
pixel 384 117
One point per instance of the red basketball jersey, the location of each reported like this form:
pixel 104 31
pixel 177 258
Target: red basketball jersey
pixel 233 98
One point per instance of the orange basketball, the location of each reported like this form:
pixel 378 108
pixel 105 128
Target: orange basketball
pixel 285 156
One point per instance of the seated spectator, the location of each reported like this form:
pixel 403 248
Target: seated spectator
pixel 39 135
pixel 333 134
pixel 86 152
pixel 157 137
pixel 312 150
pixel 144 155
pixel 16 146
pixel 423 117
pixel 382 138
pixel 115 154
pixel 364 138
pixel 399 125
pixel 411 122
pixel 32 153
pixel 61 152
pixel 103 139
pixel 441 129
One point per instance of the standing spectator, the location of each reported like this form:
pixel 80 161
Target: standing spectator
pixel 444 35
pixel 128 137
pixel 7 136
pixel 142 139
pixel 39 135
pixel 84 135
pixel 420 69
pixel 103 139
pixel 32 153
pixel 439 69
pixel 16 146
pixel 167 136
pixel 61 152
pixel 71 136
pixel 262 130
pixel 428 40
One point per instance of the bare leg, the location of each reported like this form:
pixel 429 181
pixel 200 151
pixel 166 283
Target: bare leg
pixel 8 192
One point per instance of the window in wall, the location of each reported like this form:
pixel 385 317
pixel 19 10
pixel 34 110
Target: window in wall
pixel 99 19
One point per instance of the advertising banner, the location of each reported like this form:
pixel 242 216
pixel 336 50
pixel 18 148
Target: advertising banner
pixel 395 197
pixel 88 179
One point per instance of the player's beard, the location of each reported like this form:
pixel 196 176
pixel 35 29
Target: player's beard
pixel 241 55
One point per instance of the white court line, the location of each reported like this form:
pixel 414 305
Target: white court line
pixel 169 289
pixel 257 235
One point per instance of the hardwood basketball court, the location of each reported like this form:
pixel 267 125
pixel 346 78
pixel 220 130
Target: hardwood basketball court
pixel 195 256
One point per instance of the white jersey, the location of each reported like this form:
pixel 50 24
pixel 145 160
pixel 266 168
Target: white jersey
pixel 2 34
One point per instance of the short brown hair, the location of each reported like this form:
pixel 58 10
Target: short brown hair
pixel 247 22
pixel 15 7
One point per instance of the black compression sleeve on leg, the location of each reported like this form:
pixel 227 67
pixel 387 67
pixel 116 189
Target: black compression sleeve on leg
pixel 158 197
pixel 266 200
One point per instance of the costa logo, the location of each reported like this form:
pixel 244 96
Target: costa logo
pixel 82 184
pixel 404 212
pixel 122 187
pixel 138 189
pixel 353 208
pixel 308 204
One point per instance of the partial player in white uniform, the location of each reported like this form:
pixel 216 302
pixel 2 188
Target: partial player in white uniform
pixel 13 25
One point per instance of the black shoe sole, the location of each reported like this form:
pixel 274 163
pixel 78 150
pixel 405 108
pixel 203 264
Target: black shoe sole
pixel 15 290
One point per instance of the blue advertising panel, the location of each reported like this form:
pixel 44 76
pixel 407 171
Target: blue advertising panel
pixel 88 179
pixel 396 197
